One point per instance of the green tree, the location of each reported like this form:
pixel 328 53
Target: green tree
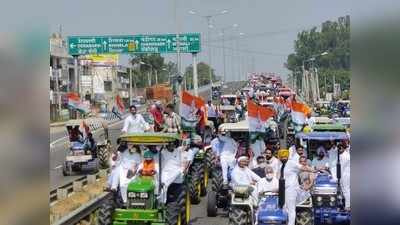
pixel 203 75
pixel 334 38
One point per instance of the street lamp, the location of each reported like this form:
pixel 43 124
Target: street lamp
pixel 223 30
pixel 209 26
pixel 312 59
pixel 148 74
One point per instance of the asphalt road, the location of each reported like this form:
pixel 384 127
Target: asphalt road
pixel 199 215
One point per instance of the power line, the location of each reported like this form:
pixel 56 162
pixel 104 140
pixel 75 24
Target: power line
pixel 249 51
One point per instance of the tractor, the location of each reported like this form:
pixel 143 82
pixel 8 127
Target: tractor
pixel 144 204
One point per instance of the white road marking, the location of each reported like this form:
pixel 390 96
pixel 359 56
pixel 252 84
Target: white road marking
pixel 57 167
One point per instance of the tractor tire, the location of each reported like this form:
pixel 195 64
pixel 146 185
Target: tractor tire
pixel 104 214
pixel 103 156
pixel 212 204
pixel 304 217
pixel 172 213
pixel 216 180
pixel 210 159
pixel 194 190
pixel 238 216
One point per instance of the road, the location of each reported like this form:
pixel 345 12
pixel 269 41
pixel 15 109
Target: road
pixel 199 215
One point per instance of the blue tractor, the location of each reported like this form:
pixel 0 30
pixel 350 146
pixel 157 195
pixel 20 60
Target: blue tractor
pixel 270 207
pixel 325 203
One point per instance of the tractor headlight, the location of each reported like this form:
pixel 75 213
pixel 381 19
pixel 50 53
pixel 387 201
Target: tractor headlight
pixel 319 198
pixel 333 199
pixel 132 194
pixel 144 195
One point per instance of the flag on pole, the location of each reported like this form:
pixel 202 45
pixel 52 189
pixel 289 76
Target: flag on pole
pixel 75 102
pixel 191 110
pixel 299 113
pixel 258 116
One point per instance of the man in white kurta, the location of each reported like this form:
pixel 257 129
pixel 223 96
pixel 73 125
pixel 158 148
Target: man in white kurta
pixel 130 160
pixel 257 148
pixel 173 165
pixel 291 171
pixel 242 175
pixel 269 183
pixel 273 162
pixel 134 123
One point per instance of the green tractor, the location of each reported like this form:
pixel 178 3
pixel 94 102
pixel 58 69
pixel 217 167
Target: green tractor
pixel 198 152
pixel 144 205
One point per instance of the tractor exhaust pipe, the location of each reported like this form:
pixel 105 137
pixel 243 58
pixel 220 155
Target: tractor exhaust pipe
pixel 281 191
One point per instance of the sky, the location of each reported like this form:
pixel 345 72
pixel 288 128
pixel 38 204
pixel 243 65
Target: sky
pixel 270 27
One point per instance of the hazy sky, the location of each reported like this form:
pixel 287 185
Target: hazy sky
pixel 270 26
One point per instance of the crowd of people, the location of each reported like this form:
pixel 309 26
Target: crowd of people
pixel 261 169
pixel 299 172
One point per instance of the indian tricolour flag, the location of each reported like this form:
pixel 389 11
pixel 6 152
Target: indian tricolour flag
pixel 299 112
pixel 189 109
pixel 75 102
pixel 258 116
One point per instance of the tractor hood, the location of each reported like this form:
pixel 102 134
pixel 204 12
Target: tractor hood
pixel 324 184
pixel 141 184
pixel 269 211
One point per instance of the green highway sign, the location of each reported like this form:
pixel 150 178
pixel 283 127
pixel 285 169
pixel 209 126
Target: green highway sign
pixel 130 44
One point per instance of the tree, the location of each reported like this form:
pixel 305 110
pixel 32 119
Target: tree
pixel 203 75
pixel 334 37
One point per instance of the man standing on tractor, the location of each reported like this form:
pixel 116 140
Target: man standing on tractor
pixel 225 149
pixel 345 171
pixel 135 123
pixel 157 112
pixel 172 120
pixel 291 170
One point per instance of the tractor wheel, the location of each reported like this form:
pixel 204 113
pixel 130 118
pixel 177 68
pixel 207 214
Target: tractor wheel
pixel 304 217
pixel 212 204
pixel 195 183
pixel 104 214
pixel 216 180
pixel 194 191
pixel 238 216
pixel 210 159
pixel 173 214
pixel 103 156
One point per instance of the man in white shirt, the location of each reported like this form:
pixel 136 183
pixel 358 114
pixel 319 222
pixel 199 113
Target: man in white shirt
pixel 257 148
pixel 273 162
pixel 226 154
pixel 269 183
pixel 135 123
pixel 242 175
pixel 320 161
pixel 126 170
pixel 291 171
pixel 173 165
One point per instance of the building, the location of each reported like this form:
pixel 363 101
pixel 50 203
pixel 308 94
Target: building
pixel 61 74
